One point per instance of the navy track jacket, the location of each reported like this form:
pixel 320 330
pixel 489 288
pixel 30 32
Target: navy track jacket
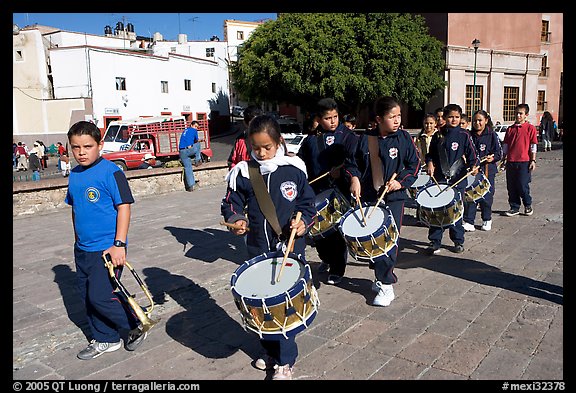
pixel 290 193
pixel 398 154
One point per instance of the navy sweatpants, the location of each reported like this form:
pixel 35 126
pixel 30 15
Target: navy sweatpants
pixel 109 317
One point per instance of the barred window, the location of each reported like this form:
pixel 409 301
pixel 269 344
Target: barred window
pixel 473 105
pixel 511 95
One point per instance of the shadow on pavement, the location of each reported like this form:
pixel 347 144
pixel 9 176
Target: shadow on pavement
pixel 204 326
pixel 210 244
pixel 479 272
pixel 66 280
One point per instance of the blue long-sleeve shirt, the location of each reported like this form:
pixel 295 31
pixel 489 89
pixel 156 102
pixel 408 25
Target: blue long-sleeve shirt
pixel 458 144
pixel 398 154
pixel 290 193
pixel 487 143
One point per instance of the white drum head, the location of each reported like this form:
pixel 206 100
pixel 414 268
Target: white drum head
pixel 427 196
pixel 259 280
pixel 353 224
pixel 421 180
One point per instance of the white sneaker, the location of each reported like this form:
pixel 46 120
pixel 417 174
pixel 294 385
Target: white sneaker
pixel 468 227
pixel 487 225
pixel 385 295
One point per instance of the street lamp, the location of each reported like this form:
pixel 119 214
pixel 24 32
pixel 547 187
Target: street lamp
pixel 476 44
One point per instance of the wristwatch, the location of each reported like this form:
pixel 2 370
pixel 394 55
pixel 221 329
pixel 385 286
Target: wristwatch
pixel 118 243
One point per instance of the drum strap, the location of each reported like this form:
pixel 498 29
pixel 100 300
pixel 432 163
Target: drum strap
pixel 444 167
pixel 263 197
pixel 375 162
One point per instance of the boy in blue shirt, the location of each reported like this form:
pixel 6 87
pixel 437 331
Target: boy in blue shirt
pixel 100 198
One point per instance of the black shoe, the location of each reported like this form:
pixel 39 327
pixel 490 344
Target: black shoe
pixel 190 189
pixel 458 248
pixel 433 249
pixel 512 212
pixel 528 211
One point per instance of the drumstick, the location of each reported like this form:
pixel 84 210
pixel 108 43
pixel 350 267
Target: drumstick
pixel 233 226
pixel 290 244
pixel 435 181
pixel 361 211
pixel 452 186
pixel 325 174
pixel 382 196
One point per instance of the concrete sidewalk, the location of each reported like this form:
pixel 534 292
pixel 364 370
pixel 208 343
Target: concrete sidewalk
pixel 494 312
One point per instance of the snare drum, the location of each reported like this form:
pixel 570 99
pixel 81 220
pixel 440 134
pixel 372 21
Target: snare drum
pixel 376 239
pixel 275 310
pixel 440 210
pixel 331 205
pixel 476 187
pixel 422 180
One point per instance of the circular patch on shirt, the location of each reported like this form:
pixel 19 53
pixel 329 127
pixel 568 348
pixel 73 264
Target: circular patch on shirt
pixel 393 152
pixel 92 194
pixel 289 190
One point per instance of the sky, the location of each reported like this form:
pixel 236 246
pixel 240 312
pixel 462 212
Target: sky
pixel 197 26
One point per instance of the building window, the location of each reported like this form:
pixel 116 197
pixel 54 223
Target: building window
pixel 541 103
pixel 209 52
pixel 187 85
pixel 240 35
pixel 545 68
pixel 213 87
pixel 120 83
pixel 545 33
pixel 18 55
pixel 164 85
pixel 471 106
pixel 511 95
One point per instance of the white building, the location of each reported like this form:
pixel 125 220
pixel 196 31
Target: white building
pixel 62 77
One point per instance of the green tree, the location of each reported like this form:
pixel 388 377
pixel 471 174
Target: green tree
pixel 352 57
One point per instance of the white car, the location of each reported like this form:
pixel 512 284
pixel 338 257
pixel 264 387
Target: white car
pixel 294 141
pixel 500 130
pixel 237 111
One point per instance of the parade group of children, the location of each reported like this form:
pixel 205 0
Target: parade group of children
pixel 383 162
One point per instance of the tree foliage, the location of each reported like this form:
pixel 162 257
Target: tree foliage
pixel 354 58
pixel 351 57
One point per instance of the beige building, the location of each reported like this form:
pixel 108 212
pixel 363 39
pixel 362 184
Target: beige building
pixel 518 59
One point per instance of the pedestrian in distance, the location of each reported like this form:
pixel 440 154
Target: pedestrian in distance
pixel 489 151
pixel 65 165
pixel 101 199
pixel 451 158
pixel 547 130
pixel 241 149
pixel 519 153
pixel 189 147
pixel 287 185
pixel 381 154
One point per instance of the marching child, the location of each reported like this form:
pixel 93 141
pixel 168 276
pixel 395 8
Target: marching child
pixel 100 198
pixel 451 157
pixel 488 148
pixel 286 181
pixel 380 154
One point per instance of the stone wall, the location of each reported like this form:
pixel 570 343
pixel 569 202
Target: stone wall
pixel 46 195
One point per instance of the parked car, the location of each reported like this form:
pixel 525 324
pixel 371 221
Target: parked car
pixel 289 126
pixel 294 141
pixel 500 130
pixel 237 111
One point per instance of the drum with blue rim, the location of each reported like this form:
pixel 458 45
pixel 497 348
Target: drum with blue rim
pixel 270 308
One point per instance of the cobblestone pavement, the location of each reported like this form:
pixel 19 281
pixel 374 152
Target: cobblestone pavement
pixel 494 312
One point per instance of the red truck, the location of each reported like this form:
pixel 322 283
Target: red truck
pixel 127 141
